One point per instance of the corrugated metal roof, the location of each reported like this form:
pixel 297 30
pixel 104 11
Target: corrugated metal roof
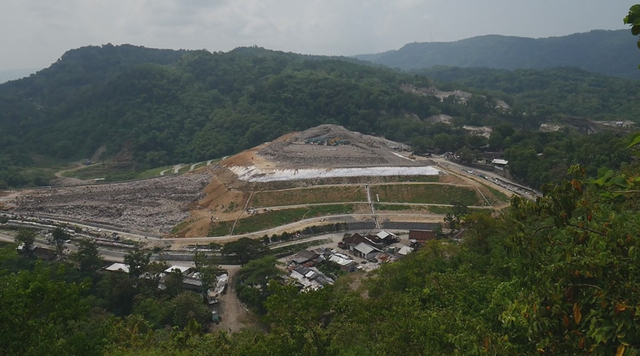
pixel 364 248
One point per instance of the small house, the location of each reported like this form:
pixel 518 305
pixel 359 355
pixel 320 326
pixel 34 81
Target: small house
pixel 346 265
pixel 118 267
pixel 420 237
pixel 365 251
pixel 304 257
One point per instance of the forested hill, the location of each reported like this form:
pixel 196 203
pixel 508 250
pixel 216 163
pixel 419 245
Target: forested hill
pixel 606 52
pixel 166 106
pixel 152 108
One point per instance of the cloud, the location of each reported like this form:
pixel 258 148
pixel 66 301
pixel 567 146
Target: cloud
pixel 37 32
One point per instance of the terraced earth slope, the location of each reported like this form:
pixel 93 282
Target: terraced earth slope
pixel 324 175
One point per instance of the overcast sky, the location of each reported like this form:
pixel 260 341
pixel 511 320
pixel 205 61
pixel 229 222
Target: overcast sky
pixel 35 33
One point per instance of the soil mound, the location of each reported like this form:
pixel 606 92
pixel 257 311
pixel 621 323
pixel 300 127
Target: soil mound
pixel 331 146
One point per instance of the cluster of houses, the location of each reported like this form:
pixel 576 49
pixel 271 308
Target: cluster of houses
pixel 370 249
pixel 191 280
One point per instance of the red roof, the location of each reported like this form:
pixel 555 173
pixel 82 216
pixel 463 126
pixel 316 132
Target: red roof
pixel 422 235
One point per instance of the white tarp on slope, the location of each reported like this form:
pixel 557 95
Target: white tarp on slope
pixel 253 174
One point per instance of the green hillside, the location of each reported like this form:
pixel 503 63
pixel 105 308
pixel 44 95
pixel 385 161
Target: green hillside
pixel 150 108
pixel 607 52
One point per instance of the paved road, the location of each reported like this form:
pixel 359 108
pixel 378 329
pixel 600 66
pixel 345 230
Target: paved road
pixel 461 170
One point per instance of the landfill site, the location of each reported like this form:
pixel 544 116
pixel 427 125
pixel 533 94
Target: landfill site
pixel 188 205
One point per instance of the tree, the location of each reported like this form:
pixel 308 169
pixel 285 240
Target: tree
pixel 208 266
pixel 173 283
pixel 252 282
pixel 59 238
pixel 138 261
pixel 187 306
pixel 453 219
pixel 87 258
pixel 633 19
pixel 576 246
pixel 245 249
pixel 117 291
pixel 307 333
pixel 38 312
pixel 26 237
pixel 466 155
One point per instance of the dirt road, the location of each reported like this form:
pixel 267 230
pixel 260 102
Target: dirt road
pixel 234 314
pixel 61 180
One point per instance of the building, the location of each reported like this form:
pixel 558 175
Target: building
pixel 304 257
pixel 190 278
pixel 118 267
pixel 386 237
pixel 346 265
pixel 365 251
pixel 405 250
pixel 309 278
pixel 499 163
pixel 420 237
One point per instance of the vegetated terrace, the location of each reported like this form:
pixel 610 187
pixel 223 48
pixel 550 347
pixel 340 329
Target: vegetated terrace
pixel 426 194
pixel 316 195
pixel 277 218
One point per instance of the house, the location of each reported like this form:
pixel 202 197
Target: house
pixel 38 252
pixel 405 250
pixel 350 242
pixel 365 250
pixel 386 237
pixel 499 163
pixel 190 279
pixel 304 257
pixel 310 278
pixel 421 236
pixel 118 267
pixel 346 265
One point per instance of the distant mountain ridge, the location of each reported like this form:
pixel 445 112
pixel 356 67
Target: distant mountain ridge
pixel 606 52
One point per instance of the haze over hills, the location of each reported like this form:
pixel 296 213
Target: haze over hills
pixel 606 52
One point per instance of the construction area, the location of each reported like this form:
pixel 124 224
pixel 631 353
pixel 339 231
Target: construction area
pixel 297 179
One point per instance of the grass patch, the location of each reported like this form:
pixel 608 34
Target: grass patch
pixel 108 171
pixel 394 207
pixel 220 228
pixel 440 210
pixel 176 229
pixel 230 208
pixel 198 165
pixel 426 194
pixel 286 216
pixel 309 196
pixel 498 195
pixel 446 209
pixel 184 169
pixel 152 173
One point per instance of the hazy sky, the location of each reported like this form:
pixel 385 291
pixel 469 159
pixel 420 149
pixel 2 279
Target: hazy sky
pixel 35 33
